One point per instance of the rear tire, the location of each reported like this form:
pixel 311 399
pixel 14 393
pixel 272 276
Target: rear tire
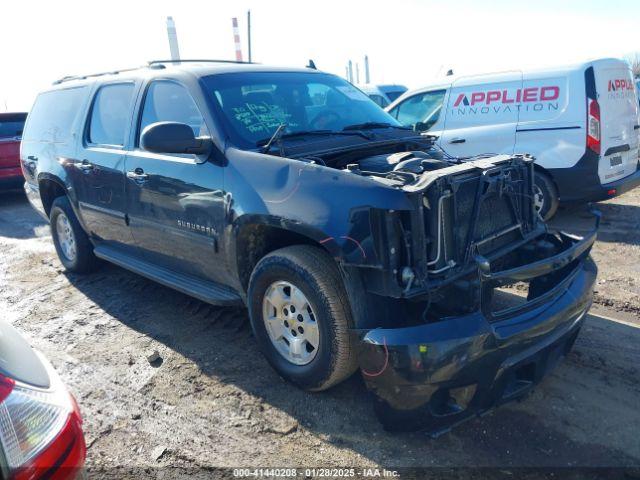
pixel 308 277
pixel 72 243
pixel 545 196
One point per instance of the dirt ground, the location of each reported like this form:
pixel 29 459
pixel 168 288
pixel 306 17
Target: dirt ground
pixel 211 400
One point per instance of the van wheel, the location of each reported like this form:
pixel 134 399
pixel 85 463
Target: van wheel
pixel 300 316
pixel 72 243
pixel 545 196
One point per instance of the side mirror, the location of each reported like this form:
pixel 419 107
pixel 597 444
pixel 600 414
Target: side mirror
pixel 173 137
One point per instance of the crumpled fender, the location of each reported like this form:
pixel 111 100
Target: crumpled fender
pixel 331 207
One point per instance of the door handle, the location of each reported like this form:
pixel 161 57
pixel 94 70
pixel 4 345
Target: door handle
pixel 85 166
pixel 32 158
pixel 457 140
pixel 137 175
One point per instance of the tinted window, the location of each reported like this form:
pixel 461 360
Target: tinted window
pixel 254 105
pixel 171 102
pixel 423 108
pixel 53 114
pixel 12 125
pixel 110 114
pixel 379 99
pixel 392 96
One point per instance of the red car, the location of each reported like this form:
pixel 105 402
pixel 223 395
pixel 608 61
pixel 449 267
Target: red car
pixel 40 423
pixel 11 126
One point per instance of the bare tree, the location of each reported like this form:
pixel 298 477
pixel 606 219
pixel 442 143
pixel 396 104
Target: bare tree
pixel 634 61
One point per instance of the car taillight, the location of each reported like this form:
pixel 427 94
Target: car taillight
pixel 593 125
pixel 40 430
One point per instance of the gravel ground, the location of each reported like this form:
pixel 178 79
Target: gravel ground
pixel 207 399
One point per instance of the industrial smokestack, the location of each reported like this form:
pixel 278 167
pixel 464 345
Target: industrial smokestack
pixel 249 34
pixel 367 78
pixel 236 39
pixel 173 39
pixel 350 70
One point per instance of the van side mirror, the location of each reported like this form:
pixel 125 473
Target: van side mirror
pixel 173 137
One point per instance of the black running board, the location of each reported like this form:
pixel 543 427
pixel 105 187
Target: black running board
pixel 207 291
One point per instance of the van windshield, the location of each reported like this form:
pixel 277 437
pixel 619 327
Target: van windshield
pixel 254 105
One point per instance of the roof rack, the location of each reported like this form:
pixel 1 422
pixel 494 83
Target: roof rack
pixel 197 60
pixel 151 64
pixel 84 77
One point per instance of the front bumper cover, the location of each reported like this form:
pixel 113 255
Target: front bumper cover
pixel 436 375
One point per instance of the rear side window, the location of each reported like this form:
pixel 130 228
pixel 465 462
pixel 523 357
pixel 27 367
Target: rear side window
pixel 110 114
pixel 171 102
pixel 53 114
pixel 12 125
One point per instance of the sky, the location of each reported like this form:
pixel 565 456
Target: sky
pixel 413 42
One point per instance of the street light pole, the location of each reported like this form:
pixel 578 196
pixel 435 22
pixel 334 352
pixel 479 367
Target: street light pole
pixel 249 32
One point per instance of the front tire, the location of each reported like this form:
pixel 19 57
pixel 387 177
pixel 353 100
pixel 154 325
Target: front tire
pixel 72 243
pixel 545 196
pixel 301 318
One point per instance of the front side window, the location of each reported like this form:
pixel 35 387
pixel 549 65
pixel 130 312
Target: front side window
pixel 420 111
pixel 171 102
pixel 110 114
pixel 253 105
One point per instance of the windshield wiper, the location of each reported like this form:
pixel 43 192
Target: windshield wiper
pixel 278 135
pixel 372 125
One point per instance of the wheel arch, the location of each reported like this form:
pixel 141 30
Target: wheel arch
pixel 262 235
pixel 256 236
pixel 539 169
pixel 50 188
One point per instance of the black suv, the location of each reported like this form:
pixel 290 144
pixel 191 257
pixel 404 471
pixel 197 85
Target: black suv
pixel 351 240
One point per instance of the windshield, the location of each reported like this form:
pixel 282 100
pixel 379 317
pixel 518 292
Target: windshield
pixel 254 105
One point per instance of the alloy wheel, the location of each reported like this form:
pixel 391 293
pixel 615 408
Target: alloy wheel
pixel 290 322
pixel 66 237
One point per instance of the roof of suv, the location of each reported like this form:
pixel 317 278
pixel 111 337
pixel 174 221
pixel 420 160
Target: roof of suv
pixel 199 68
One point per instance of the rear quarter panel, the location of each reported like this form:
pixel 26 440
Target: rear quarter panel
pixel 53 150
pixel 618 101
pixel 552 128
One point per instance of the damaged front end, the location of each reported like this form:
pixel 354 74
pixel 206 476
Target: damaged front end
pixel 478 299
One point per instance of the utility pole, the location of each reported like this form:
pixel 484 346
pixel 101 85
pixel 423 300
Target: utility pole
pixel 249 33
pixel 367 78
pixel 173 39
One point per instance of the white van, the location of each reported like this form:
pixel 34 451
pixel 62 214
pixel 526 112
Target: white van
pixel 581 123
pixel 383 95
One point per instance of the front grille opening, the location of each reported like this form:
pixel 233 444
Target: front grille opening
pixel 508 297
pixel 485 214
